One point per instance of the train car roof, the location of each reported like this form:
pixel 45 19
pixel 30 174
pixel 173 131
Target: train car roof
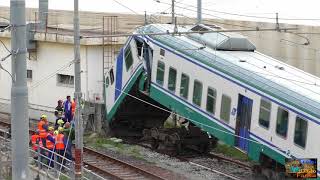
pixel 268 75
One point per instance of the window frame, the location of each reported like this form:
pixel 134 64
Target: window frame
pixel 162 52
pixel 214 100
pixel 29 74
pixel 201 91
pixel 128 49
pixel 288 112
pixel 163 72
pixel 306 137
pixel 188 84
pixel 270 111
pixel 229 97
pixel 111 75
pixel 171 69
pixel 62 83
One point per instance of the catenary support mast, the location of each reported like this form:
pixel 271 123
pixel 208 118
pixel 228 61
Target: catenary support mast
pixel 77 95
pixel 19 92
pixel 199 12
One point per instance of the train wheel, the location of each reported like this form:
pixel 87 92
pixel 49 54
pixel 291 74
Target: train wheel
pixel 154 143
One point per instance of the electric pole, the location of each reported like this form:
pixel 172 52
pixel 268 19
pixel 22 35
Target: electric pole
pixel 172 12
pixel 19 92
pixel 77 94
pixel 199 12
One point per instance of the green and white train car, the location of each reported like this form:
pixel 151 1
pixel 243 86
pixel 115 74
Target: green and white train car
pixel 220 83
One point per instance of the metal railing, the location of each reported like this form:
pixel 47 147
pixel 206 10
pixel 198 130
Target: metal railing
pixel 41 163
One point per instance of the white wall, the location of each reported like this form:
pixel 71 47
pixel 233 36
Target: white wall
pixel 44 92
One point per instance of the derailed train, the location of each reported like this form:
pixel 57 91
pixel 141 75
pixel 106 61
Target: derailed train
pixel 221 84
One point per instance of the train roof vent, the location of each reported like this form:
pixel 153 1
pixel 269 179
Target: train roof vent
pixel 221 41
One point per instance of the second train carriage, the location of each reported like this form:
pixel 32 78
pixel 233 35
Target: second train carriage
pixel 220 83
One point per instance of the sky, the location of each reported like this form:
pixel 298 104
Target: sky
pixel 297 9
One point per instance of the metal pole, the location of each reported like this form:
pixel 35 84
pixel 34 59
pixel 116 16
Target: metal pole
pixel 19 92
pixel 77 94
pixel 43 14
pixel 172 12
pixel 199 12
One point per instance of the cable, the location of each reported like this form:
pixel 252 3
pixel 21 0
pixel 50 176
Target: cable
pixel 44 80
pixel 5 46
pixel 252 16
pixel 125 6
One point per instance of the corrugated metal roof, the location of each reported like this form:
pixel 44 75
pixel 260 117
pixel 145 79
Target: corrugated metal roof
pixel 272 77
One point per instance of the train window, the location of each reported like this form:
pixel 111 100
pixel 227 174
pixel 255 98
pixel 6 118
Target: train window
pixel 300 132
pixel 184 88
pixel 107 82
pixel 197 92
pixel 111 76
pixel 225 108
pixel 265 111
pixel 139 47
pixel 282 122
pixel 162 52
pixel 160 73
pixel 172 79
pixel 211 100
pixel 128 58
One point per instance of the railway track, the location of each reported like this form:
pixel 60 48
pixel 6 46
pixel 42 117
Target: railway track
pixel 211 162
pixel 105 165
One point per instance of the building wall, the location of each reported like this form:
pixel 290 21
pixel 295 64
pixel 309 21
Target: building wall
pixel 49 60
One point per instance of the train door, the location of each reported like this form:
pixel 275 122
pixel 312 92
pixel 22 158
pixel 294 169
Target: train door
pixel 243 122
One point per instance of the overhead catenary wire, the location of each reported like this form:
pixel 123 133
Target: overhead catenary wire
pixel 249 16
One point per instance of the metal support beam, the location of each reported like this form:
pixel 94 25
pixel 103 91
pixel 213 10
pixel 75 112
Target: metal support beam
pixel 77 94
pixel 172 12
pixel 43 14
pixel 199 12
pixel 19 92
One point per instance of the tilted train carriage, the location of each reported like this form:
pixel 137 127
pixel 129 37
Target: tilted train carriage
pixel 220 83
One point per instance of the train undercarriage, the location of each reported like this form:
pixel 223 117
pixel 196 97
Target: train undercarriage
pixel 149 124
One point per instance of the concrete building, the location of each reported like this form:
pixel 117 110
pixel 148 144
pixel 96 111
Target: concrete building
pixel 50 69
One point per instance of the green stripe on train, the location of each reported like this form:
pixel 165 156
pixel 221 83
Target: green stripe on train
pixel 123 95
pixel 212 127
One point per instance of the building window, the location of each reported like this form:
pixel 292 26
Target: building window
pixel 211 100
pixel 111 76
pixel 63 79
pixel 300 132
pixel 172 79
pixel 29 74
pixel 225 108
pixel 282 122
pixel 197 93
pixel 162 52
pixel 160 73
pixel 128 58
pixel 265 111
pixel 184 87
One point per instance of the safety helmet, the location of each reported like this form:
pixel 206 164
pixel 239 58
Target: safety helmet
pixel 43 116
pixel 56 132
pixel 60 129
pixel 51 128
pixel 60 122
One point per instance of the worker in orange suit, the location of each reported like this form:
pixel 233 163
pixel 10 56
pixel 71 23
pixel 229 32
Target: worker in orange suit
pixel 59 144
pixel 50 146
pixel 43 129
pixel 35 141
pixel 73 106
